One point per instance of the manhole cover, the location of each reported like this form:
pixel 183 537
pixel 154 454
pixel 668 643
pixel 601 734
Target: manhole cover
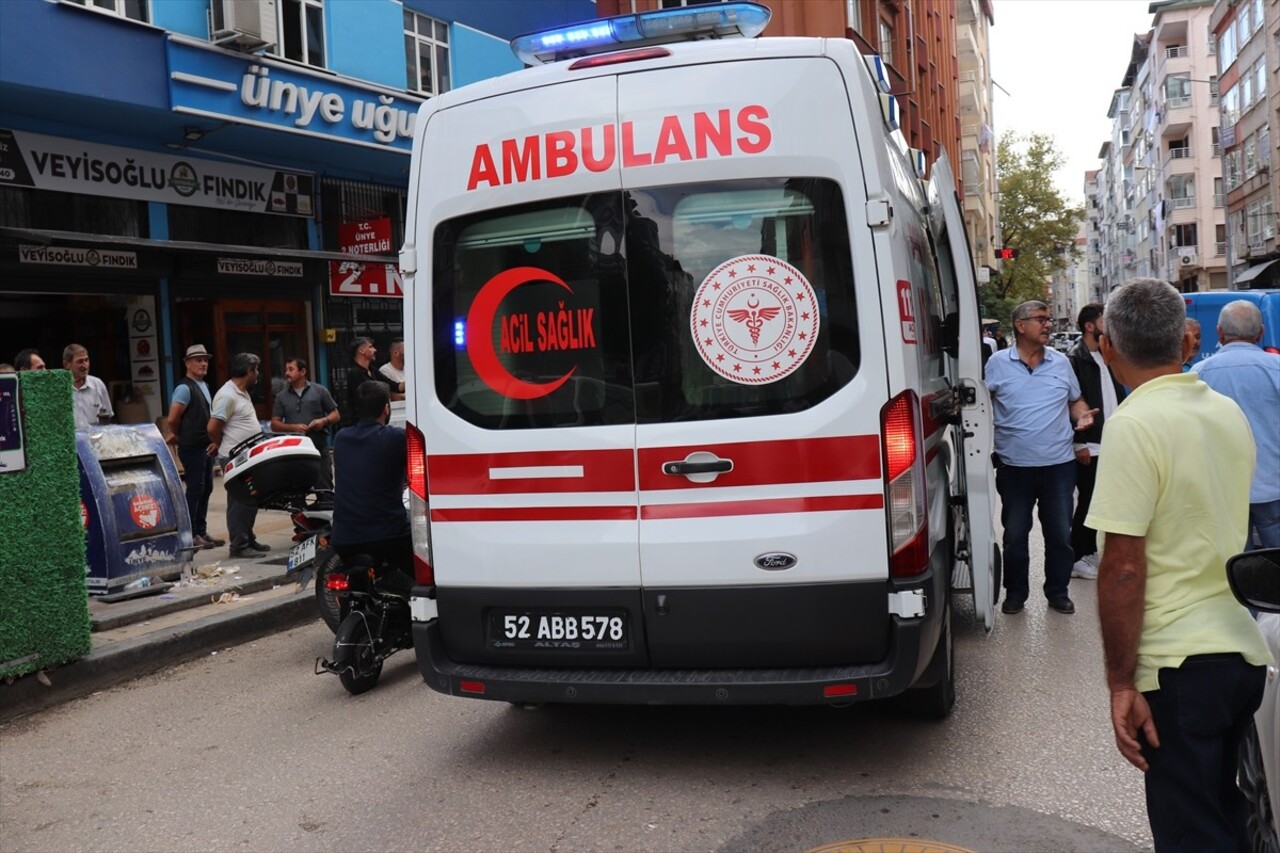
pixel 889 845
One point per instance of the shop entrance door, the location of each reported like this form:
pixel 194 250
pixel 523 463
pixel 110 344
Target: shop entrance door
pixel 276 330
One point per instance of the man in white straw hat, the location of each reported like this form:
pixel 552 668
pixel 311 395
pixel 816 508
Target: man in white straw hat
pixel 189 432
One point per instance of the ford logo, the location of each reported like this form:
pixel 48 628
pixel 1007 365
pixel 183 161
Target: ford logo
pixel 775 562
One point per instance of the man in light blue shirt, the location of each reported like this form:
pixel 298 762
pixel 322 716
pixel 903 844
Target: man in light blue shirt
pixel 1036 396
pixel 1250 376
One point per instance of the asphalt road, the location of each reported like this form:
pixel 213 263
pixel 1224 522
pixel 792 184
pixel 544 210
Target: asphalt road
pixel 248 750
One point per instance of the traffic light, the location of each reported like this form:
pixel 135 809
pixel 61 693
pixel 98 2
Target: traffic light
pixel 1006 253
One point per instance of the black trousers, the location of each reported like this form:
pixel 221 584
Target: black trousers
pixel 1084 540
pixel 1201 712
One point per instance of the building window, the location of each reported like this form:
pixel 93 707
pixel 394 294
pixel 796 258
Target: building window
pixel 1184 236
pixel 302 31
pixel 886 42
pixel 134 10
pixel 426 54
pixel 853 15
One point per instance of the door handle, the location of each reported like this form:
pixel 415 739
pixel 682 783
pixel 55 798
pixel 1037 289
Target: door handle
pixel 683 468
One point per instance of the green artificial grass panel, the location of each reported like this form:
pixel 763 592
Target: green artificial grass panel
pixel 44 606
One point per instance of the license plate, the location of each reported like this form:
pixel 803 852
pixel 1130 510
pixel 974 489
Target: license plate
pixel 302 553
pixel 550 629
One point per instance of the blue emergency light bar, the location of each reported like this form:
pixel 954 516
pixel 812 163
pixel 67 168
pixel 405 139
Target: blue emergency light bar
pixel 663 26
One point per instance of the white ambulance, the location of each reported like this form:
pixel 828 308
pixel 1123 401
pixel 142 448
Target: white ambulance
pixel 696 411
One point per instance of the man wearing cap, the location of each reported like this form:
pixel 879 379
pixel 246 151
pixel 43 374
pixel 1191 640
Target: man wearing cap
pixel 189 432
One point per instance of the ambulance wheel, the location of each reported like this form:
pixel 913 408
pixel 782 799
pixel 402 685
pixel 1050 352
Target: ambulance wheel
pixel 935 701
pixel 326 601
pixel 353 649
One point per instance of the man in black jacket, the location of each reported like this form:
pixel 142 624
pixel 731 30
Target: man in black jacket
pixel 1103 394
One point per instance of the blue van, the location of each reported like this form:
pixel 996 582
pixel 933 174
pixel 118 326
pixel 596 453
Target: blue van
pixel 1205 307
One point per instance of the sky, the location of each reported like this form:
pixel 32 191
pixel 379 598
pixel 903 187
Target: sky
pixel 1060 61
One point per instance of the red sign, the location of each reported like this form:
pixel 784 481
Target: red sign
pixel 372 237
pixel 353 278
pixel 907 312
pixel 145 511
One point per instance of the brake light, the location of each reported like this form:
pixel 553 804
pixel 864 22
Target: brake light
pixel 337 582
pixel 832 691
pixel 620 56
pixel 905 486
pixel 471 686
pixel 419 521
pixel 416 460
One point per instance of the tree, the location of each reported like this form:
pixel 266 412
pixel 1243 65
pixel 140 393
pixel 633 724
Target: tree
pixel 1035 218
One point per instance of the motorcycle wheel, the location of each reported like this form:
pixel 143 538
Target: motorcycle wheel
pixel 326 600
pixel 353 650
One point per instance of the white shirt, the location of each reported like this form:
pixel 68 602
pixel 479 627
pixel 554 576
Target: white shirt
pixel 1109 401
pixel 235 409
pixel 92 402
pixel 392 372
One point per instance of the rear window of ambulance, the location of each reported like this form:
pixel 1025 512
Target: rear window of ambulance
pixel 693 302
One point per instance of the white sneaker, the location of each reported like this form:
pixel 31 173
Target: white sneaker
pixel 1084 569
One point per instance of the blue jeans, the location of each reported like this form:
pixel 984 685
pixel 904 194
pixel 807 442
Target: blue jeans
pixel 197 467
pixel 1053 487
pixel 1201 712
pixel 1264 522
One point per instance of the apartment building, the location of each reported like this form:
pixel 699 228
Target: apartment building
pixel 1160 188
pixel 1248 62
pixel 977 131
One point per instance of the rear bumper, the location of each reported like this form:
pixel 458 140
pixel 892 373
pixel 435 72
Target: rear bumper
pixel 789 686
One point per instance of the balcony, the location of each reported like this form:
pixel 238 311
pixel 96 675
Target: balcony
pixel 1176 51
pixel 1187 201
pixel 971 100
pixel 1219 249
pixel 1217 199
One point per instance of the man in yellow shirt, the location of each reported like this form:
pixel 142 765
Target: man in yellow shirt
pixel 1185 661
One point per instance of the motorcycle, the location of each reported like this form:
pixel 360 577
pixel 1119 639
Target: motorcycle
pixel 278 472
pixel 313 557
pixel 373 601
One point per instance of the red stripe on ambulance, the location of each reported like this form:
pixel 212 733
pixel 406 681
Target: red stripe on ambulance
pixel 762 463
pixel 470 473
pixel 773 506
pixel 596 149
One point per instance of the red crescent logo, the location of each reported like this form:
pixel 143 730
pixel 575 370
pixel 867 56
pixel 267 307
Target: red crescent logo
pixel 480 334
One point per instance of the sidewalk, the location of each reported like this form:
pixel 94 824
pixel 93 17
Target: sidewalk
pixel 220 602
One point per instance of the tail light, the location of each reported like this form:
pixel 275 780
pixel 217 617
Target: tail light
pixel 419 521
pixel 337 582
pixel 905 504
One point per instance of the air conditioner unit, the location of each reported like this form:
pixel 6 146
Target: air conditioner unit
pixel 247 25
pixel 1188 260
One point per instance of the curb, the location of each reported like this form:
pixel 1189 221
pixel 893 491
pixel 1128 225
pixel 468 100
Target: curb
pixel 110 622
pixel 129 659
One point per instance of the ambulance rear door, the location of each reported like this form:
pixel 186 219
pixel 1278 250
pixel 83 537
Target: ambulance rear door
pixel 759 370
pixel 529 420
pixel 978 480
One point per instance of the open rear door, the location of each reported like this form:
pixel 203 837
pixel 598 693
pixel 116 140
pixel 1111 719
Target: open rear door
pixel 978 477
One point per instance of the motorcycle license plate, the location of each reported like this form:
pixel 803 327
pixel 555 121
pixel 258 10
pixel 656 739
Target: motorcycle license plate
pixel 302 553
pixel 549 629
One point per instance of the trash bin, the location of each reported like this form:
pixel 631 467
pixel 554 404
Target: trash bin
pixel 133 507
